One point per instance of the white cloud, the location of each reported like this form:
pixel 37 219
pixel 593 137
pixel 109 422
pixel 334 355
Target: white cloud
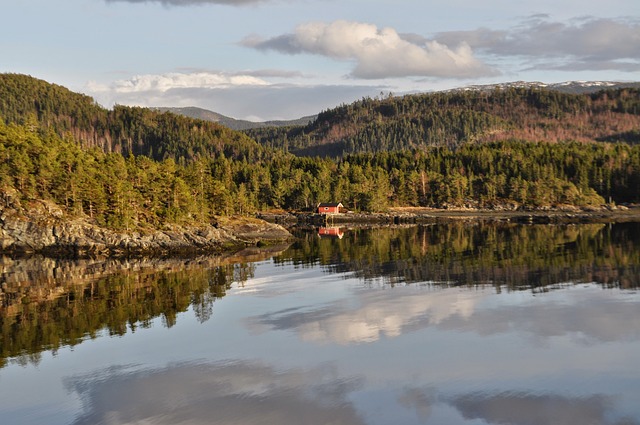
pixel 377 52
pixel 165 82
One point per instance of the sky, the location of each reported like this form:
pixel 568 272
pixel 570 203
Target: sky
pixel 284 59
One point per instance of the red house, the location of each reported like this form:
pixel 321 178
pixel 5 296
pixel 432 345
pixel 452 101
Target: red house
pixel 329 208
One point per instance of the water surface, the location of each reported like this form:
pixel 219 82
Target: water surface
pixel 455 323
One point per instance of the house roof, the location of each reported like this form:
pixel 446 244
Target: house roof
pixel 330 204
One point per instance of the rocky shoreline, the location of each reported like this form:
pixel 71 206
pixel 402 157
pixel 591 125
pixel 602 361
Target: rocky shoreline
pixel 42 228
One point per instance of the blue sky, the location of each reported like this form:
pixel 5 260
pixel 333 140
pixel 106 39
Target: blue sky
pixel 282 59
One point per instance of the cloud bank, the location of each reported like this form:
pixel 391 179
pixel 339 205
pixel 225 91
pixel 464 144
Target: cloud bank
pixel 271 93
pixel 377 52
pixel 406 62
pixel 537 43
pixel 578 45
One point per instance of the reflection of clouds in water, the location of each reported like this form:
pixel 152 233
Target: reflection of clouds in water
pixel 420 400
pixel 512 407
pixel 250 393
pixel 530 409
pixel 232 393
pixel 589 315
pixel 275 282
pixel 586 313
pixel 378 314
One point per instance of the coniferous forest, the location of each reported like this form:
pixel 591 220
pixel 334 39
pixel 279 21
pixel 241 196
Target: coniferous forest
pixel 132 167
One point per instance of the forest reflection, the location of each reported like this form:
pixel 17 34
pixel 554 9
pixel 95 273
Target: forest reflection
pixel 506 255
pixel 47 304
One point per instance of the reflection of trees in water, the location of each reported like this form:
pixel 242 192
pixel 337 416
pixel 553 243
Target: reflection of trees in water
pixel 47 304
pixel 58 311
pixel 470 253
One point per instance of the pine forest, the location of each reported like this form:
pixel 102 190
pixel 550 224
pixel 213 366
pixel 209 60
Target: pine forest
pixel 136 168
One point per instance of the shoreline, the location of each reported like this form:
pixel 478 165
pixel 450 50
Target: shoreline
pixel 43 230
pixel 419 215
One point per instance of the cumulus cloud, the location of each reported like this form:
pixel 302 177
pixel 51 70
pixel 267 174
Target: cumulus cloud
pixel 193 2
pixel 377 52
pixel 584 44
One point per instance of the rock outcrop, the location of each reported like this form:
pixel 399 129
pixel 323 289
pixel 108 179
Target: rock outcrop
pixel 43 228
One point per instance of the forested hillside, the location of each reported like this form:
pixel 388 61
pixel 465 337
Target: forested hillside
pixel 453 118
pixel 134 168
pixel 127 130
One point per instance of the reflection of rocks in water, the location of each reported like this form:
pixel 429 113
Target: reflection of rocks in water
pixel 469 253
pixel 49 303
pixel 42 278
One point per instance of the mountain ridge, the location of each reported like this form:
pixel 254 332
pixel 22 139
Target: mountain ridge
pixel 233 123
pixel 572 111
pixel 569 87
pixel 526 111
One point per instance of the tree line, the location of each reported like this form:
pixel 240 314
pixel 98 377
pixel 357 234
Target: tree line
pixel 139 192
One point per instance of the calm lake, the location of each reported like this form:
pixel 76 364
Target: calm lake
pixel 458 323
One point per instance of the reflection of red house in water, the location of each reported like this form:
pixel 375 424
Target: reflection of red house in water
pixel 329 208
pixel 332 232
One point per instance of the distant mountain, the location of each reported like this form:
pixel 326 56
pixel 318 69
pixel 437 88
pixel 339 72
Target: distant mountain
pixel 232 123
pixel 522 111
pixel 570 87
